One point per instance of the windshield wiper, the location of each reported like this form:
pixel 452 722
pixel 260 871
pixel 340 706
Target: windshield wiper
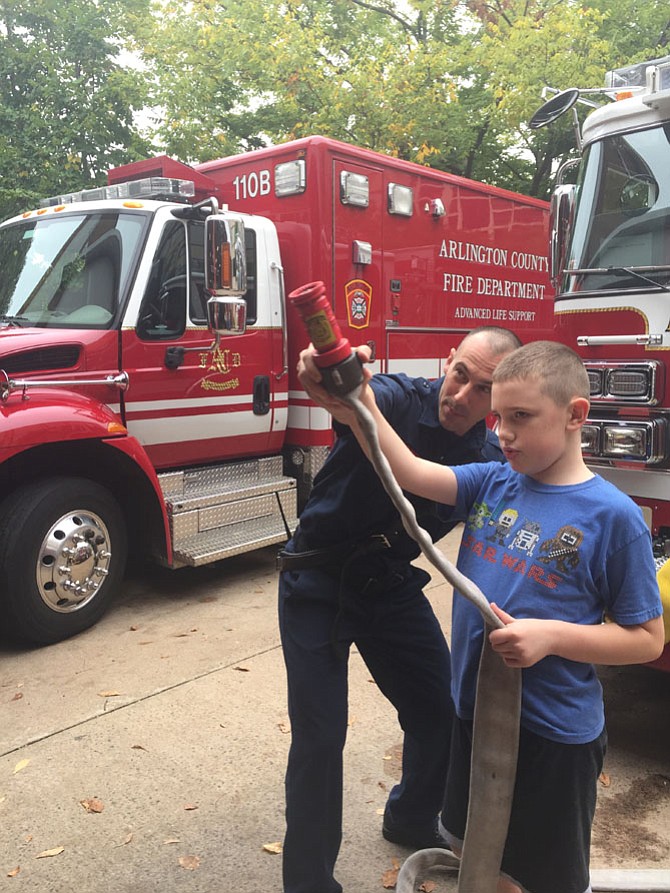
pixel 14 320
pixel 635 272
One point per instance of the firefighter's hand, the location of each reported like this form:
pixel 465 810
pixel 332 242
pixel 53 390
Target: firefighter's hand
pixel 310 378
pixel 521 643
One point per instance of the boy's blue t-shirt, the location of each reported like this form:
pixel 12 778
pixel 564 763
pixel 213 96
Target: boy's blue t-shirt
pixel 574 553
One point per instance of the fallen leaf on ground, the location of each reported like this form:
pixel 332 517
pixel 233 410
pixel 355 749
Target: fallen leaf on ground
pixel 172 840
pixel 275 848
pixel 14 871
pixel 93 805
pixel 17 696
pixel 390 876
pixel 129 837
pixel 241 669
pixel 138 747
pixel 46 854
pixel 190 806
pixel 20 765
pixel 190 863
pixel 108 694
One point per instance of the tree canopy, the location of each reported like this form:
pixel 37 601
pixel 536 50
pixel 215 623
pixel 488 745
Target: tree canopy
pixel 447 83
pixel 441 82
pixel 66 102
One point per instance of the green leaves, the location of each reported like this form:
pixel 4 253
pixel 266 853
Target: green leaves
pixel 448 83
pixel 66 105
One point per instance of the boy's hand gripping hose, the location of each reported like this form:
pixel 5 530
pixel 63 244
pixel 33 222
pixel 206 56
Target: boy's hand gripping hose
pixel 498 704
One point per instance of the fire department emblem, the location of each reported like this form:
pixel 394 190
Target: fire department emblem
pixel 221 362
pixel 358 295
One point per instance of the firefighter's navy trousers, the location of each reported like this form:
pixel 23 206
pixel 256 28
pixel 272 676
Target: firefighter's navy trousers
pixel 398 636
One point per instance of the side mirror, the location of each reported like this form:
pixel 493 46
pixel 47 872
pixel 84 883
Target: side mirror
pixel 561 217
pixel 225 256
pixel 638 194
pixel 226 315
pixel 554 108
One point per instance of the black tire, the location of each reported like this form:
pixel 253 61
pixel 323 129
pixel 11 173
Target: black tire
pixel 63 549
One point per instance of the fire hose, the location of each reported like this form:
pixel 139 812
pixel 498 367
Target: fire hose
pixel 497 713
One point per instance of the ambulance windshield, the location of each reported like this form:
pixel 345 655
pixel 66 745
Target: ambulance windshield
pixel 69 271
pixel 622 218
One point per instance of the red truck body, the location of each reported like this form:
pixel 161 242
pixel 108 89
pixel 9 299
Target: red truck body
pixel 190 449
pixel 611 268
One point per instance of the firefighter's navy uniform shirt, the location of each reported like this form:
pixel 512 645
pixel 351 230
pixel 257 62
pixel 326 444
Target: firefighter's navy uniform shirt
pixel 348 502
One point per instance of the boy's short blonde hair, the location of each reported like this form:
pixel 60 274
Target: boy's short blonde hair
pixel 556 367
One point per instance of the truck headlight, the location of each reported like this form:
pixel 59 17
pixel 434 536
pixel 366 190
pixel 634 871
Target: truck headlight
pixel 626 441
pixel 595 382
pixel 590 440
pixel 628 383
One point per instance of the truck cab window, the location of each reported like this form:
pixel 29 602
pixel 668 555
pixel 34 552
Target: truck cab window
pixel 68 272
pixel 163 310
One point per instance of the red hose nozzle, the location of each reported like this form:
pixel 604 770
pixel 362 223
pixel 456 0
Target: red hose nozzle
pixel 315 311
pixel 340 367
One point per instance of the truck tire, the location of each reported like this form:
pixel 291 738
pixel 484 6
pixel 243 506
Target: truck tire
pixel 63 549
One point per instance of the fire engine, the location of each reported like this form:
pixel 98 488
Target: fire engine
pixel 148 391
pixel 610 265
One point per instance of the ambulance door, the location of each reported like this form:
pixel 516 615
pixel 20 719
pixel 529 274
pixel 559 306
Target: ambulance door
pixel 188 401
pixel 358 209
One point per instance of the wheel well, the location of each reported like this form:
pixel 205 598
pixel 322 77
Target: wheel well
pixel 111 469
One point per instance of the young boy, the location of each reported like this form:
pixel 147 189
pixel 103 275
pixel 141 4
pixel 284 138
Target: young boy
pixel 557 550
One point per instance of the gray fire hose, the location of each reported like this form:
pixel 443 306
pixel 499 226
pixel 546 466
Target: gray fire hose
pixel 495 732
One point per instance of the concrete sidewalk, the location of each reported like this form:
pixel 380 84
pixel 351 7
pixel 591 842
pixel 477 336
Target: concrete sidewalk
pixel 170 717
pixel 172 714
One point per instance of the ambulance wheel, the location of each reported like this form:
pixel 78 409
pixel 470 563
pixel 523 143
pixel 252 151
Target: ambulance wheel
pixel 62 558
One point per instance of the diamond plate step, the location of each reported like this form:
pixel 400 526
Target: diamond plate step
pixel 216 512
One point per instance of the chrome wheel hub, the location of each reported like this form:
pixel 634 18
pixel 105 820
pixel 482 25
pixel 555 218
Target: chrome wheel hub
pixel 73 561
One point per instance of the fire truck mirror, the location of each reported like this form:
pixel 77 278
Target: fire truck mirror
pixel 561 217
pixel 225 267
pixel 554 108
pixel 227 315
pixel 638 195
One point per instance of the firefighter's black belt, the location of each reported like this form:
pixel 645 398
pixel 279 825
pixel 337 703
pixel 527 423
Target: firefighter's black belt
pixel 298 561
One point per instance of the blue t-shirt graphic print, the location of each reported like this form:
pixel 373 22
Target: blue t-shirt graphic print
pixel 579 553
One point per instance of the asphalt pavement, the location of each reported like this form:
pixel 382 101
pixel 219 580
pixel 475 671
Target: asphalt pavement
pixel 148 754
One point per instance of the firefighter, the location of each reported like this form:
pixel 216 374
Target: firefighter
pixel 347 578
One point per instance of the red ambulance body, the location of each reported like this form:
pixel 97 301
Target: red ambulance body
pixel 126 426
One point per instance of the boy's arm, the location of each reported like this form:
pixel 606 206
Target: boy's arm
pixel 416 475
pixel 522 643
